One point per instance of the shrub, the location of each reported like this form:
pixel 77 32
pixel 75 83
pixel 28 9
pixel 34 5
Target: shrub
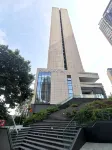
pixel 40 115
pixel 74 112
pixel 87 115
pixel 68 114
pixel 84 115
pixel 36 117
pixel 74 105
pixel 94 111
pixel 71 114
pixel 99 104
pixel 52 109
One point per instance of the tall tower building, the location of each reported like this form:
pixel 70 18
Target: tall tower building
pixel 105 24
pixel 64 76
pixel 109 73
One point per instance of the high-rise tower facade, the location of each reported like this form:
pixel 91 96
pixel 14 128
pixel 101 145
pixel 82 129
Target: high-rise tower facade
pixel 105 24
pixel 109 73
pixel 64 76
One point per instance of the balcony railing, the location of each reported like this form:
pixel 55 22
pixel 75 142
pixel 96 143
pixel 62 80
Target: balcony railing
pixel 83 96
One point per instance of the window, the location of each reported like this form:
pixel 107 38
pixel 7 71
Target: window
pixel 69 79
pixel 43 87
pixel 69 82
pixel 70 91
pixel 70 88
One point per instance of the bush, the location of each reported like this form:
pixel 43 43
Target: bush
pixel 94 111
pixel 87 115
pixel 68 114
pixel 71 114
pixel 36 117
pixel 74 105
pixel 99 104
pixel 83 115
pixel 40 115
pixel 52 109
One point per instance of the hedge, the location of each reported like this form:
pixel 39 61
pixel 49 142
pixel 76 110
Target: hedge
pixel 91 112
pixel 40 115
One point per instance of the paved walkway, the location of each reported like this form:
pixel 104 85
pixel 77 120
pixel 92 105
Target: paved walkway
pixel 97 146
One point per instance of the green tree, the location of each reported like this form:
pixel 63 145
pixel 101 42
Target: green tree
pixel 15 77
pixel 3 110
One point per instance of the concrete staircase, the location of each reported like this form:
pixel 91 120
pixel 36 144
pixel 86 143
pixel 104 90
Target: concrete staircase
pixel 46 135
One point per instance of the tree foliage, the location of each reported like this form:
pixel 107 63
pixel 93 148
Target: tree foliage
pixel 15 77
pixel 3 110
pixel 92 112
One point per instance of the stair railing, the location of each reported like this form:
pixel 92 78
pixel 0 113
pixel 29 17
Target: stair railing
pixel 68 127
pixel 10 138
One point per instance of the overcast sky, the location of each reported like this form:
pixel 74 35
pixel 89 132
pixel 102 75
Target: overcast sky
pixel 25 24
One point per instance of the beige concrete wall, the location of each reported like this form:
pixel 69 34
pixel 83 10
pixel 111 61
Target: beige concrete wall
pixel 59 88
pixel 35 87
pixel 74 64
pixel 55 52
pixel 109 76
pixel 72 55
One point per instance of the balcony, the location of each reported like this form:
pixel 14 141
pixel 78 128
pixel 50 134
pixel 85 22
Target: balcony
pixel 88 77
pixel 90 84
pixel 89 96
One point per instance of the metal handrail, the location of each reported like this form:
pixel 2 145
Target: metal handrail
pixel 67 99
pixel 80 96
pixel 9 137
pixel 68 124
pixel 67 127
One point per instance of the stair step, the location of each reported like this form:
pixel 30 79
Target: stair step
pixel 44 130
pixel 18 141
pixel 22 148
pixel 49 127
pixel 53 129
pixel 20 135
pixel 55 126
pixel 56 121
pixel 33 147
pixel 48 141
pixel 41 131
pixel 49 146
pixel 49 124
pixel 16 144
pixel 22 132
pixel 52 138
pixel 50 134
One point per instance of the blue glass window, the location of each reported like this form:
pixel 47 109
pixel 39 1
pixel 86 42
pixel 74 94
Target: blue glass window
pixel 69 87
pixel 43 87
pixel 69 83
pixel 70 91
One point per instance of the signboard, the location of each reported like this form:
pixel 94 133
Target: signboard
pixel 2 123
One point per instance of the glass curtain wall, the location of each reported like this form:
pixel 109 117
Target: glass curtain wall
pixel 43 87
pixel 69 83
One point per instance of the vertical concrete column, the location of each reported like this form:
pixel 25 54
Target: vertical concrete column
pixel 55 52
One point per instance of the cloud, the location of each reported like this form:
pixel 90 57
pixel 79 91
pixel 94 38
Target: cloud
pixel 15 5
pixel 22 4
pixel 3 37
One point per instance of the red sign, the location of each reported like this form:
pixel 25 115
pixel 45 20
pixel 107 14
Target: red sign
pixel 2 123
pixel 31 110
